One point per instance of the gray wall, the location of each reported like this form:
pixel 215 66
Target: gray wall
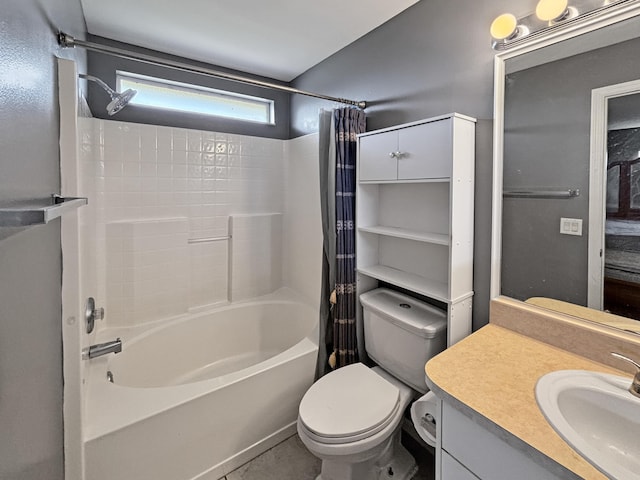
pixel 547 142
pixel 105 66
pixel 31 442
pixel 434 58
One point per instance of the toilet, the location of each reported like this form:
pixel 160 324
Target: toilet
pixel 351 418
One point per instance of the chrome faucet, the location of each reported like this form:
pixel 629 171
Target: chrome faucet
pixel 634 389
pixel 93 351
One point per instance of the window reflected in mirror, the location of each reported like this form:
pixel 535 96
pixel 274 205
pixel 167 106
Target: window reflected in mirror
pixel 623 174
pixel 613 190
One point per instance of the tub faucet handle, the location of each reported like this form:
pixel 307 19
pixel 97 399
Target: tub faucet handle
pixel 91 314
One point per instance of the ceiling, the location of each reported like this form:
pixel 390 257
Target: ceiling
pixel 275 38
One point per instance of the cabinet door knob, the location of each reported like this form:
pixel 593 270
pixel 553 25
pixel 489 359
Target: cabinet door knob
pixel 395 154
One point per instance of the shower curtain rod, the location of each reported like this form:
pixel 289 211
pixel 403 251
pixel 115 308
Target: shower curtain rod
pixel 69 41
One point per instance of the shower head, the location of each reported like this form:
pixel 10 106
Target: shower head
pixel 118 100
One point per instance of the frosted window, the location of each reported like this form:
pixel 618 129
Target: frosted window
pixel 169 95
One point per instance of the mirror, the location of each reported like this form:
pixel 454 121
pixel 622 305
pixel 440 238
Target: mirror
pixel 549 225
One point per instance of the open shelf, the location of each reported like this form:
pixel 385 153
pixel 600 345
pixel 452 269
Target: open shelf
pixel 435 238
pixel 418 180
pixel 39 211
pixel 416 283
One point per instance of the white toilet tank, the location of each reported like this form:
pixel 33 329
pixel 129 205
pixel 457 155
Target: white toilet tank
pixel 401 333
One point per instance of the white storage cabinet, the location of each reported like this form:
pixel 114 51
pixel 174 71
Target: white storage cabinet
pixel 415 212
pixel 416 152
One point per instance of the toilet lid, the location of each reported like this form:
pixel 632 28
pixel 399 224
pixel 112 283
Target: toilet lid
pixel 349 402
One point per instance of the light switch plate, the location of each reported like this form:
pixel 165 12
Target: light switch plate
pixel 571 226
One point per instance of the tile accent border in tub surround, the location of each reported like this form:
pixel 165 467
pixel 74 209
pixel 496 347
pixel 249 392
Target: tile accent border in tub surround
pixel 584 338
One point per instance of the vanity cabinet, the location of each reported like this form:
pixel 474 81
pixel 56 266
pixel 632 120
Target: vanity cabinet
pixel 467 451
pixel 454 470
pixel 415 213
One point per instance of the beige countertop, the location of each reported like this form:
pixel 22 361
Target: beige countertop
pixel 494 372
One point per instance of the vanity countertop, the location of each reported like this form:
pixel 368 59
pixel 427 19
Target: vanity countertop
pixel 494 372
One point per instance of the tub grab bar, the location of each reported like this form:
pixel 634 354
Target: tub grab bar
pixel 208 239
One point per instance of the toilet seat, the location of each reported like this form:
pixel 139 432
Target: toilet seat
pixel 350 404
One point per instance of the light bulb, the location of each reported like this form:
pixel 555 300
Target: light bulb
pixel 551 10
pixel 504 26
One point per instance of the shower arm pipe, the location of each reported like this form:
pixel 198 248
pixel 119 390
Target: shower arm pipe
pixel 67 41
pixel 99 82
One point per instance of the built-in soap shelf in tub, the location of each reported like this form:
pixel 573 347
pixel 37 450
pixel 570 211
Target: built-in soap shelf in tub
pixel 26 213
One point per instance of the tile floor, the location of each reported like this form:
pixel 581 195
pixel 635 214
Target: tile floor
pixel 290 460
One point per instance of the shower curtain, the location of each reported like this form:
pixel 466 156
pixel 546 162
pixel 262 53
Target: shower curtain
pixel 338 329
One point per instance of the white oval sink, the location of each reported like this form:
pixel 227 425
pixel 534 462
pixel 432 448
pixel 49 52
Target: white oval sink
pixel 595 414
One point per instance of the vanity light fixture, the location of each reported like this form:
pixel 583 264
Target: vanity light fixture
pixel 507 29
pixel 504 27
pixel 553 10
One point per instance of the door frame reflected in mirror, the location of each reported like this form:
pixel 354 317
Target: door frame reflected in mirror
pixel 598 185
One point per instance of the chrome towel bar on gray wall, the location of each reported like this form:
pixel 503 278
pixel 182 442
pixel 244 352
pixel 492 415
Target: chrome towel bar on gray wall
pixel 38 211
pixel 531 193
pixel 68 41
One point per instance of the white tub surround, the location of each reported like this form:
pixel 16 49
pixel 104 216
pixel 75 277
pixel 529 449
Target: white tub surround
pixel 256 255
pixel 147 270
pixel 147 177
pixel 183 243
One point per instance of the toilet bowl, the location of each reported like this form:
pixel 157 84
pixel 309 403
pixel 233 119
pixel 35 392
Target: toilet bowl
pixel 351 418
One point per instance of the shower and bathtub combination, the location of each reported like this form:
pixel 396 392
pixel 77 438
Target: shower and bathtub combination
pixel 198 396
pixel 204 249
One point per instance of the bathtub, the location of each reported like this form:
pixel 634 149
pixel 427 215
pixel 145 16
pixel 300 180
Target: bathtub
pixel 196 397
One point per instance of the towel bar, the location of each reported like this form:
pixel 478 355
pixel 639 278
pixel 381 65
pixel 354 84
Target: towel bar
pixel 569 193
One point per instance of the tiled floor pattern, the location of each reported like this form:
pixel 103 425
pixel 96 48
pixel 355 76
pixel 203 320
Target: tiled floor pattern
pixel 290 460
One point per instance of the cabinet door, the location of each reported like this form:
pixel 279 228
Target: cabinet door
pixel 376 163
pixel 452 470
pixel 497 459
pixel 426 151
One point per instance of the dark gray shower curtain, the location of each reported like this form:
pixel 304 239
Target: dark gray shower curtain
pixel 338 143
